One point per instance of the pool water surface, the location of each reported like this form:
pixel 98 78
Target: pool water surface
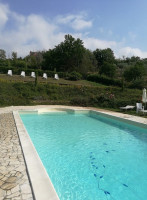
pixel 89 156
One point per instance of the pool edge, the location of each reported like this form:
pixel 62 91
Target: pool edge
pixel 122 119
pixel 42 186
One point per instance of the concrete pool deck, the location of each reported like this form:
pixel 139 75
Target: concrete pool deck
pixel 26 179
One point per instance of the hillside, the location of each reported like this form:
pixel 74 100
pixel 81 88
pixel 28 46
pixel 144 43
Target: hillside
pixel 16 90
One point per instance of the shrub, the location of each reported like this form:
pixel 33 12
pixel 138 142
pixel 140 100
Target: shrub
pixel 80 101
pixel 104 80
pixel 134 72
pixel 106 99
pixel 108 69
pixel 139 84
pixel 74 76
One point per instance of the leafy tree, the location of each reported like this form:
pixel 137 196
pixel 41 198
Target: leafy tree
pixel 134 72
pixel 2 54
pixel 39 59
pixel 132 60
pixel 3 61
pixel 34 60
pixel 88 63
pixel 20 64
pixel 49 60
pixel 104 56
pixel 14 58
pixel 108 69
pixel 14 55
pixel 67 56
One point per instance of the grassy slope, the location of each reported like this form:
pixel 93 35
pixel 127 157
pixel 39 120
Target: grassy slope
pixel 16 90
pixel 17 78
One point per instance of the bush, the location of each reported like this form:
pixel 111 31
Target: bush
pixel 4 69
pixel 106 99
pixel 108 69
pixel 104 80
pixel 74 76
pixel 80 101
pixel 139 84
pixel 134 72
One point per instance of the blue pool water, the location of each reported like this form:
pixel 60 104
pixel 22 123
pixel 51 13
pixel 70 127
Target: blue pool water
pixel 89 156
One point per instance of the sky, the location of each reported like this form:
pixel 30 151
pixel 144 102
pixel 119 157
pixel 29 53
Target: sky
pixel 31 25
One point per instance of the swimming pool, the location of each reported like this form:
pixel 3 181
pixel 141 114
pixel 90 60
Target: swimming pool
pixel 90 156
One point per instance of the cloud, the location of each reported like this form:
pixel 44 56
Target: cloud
pixel 29 33
pixel 4 11
pixel 76 22
pixel 34 32
pixel 79 24
pixel 129 52
pixel 64 19
pixel 119 51
pixel 94 43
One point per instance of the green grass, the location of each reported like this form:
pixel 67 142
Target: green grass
pixel 61 81
pixel 17 90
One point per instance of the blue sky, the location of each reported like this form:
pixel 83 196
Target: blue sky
pixel 31 25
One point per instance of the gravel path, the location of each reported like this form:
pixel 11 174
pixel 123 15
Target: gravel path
pixel 14 183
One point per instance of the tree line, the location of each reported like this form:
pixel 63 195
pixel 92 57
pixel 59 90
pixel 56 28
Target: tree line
pixel 71 56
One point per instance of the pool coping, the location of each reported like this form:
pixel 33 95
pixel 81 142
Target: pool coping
pixel 41 184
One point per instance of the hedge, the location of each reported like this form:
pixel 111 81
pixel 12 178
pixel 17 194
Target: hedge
pixel 104 80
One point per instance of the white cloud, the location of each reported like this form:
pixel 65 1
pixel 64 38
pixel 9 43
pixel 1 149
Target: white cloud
pixel 119 51
pixel 34 32
pixel 65 19
pixel 128 52
pixel 77 22
pixel 4 11
pixel 31 33
pixel 94 43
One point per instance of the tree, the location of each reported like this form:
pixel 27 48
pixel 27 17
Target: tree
pixel 14 55
pixel 134 72
pixel 34 60
pixel 88 63
pixel 49 60
pixel 104 56
pixel 20 64
pixel 2 54
pixel 67 56
pixel 108 69
pixel 14 58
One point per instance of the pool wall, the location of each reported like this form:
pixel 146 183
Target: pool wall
pixel 128 121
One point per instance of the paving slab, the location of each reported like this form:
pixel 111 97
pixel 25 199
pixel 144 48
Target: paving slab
pixel 14 182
